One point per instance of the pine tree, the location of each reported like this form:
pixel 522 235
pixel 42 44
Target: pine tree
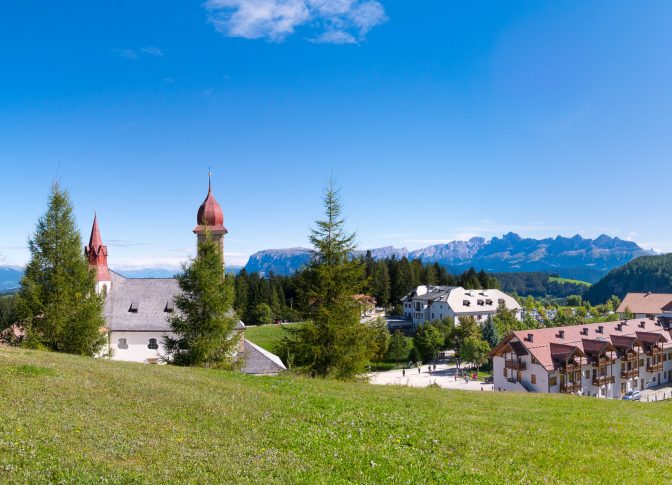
pixel 398 349
pixel 334 343
pixel 490 333
pixel 57 304
pixel 204 323
pixel 404 280
pixel 380 284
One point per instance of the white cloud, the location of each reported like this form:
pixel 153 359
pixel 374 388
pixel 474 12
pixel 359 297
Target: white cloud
pixel 334 21
pixel 125 53
pixel 153 51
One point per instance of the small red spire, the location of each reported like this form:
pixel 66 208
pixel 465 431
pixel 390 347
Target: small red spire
pixel 96 251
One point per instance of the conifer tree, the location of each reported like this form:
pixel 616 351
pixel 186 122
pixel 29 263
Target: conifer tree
pixel 334 343
pixel 57 304
pixel 490 333
pixel 204 322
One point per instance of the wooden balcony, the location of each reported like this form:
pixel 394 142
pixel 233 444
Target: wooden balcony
pixel 657 367
pixel 602 380
pixel 654 351
pixel 605 361
pixel 568 369
pixel 629 374
pixel 569 387
pixel 631 357
pixel 512 364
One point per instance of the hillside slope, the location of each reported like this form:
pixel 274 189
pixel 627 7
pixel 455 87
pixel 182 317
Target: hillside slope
pixel 648 273
pixel 72 419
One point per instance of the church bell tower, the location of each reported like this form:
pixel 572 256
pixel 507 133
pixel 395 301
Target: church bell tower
pixel 211 217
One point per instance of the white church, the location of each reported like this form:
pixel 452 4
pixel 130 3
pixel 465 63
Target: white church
pixel 137 309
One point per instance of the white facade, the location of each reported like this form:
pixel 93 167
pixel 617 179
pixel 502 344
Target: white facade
pixel 146 347
pixel 604 375
pixel 428 304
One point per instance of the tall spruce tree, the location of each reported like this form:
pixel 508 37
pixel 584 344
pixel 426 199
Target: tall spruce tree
pixel 204 322
pixel 334 343
pixel 57 304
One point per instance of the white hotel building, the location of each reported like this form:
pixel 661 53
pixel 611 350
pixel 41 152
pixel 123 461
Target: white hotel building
pixel 430 303
pixel 602 359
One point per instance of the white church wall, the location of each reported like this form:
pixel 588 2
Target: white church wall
pixel 135 346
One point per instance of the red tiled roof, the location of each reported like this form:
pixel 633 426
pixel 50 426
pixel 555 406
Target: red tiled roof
pixel 646 303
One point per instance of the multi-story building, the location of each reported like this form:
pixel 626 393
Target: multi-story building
pixel 601 359
pixel 430 303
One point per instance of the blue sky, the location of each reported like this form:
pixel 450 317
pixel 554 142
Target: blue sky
pixel 439 119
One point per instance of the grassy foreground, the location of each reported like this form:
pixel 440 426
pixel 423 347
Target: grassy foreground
pixel 70 419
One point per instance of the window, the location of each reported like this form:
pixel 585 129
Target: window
pixel 553 381
pixel 122 344
pixel 533 379
pixel 153 344
pixel 587 374
pixel 480 317
pixel 505 373
pixel 641 362
pixel 534 360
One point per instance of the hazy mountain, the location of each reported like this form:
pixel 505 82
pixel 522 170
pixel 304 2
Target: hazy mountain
pixel 10 278
pixel 574 257
pixel 648 273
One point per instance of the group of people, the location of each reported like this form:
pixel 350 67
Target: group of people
pixel 430 368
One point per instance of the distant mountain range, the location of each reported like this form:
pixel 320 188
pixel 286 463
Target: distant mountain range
pixel 574 257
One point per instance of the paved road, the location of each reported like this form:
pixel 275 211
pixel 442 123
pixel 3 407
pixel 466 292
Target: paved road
pixel 444 377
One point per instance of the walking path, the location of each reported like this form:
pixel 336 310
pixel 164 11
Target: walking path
pixel 444 376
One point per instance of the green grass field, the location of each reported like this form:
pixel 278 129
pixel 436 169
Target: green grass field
pixel 567 280
pixel 266 336
pixel 76 420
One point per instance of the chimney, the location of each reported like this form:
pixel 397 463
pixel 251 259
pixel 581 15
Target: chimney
pixel 530 337
pixel 600 329
pixel 619 327
pixel 642 324
pixel 584 330
pixel 561 334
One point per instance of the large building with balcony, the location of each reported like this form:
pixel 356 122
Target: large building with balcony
pixel 431 303
pixel 602 359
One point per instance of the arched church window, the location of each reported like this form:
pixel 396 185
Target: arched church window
pixel 122 344
pixel 153 344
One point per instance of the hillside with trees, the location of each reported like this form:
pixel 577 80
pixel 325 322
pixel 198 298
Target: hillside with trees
pixel 648 273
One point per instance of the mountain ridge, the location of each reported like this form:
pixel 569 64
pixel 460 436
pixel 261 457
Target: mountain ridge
pixel 572 257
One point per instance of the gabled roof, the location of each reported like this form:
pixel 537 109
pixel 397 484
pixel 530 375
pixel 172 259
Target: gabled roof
pixel 624 342
pixel 259 361
pixel 565 352
pixel 597 347
pixel 651 338
pixel 646 303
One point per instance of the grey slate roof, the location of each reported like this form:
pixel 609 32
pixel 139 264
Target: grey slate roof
pixel 260 361
pixel 149 297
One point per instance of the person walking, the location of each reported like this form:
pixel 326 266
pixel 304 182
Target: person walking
pixel 403 372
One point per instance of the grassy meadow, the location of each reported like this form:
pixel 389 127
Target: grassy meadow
pixel 569 281
pixel 76 420
pixel 266 336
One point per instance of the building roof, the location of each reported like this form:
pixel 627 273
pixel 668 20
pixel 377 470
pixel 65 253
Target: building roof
pixel 464 301
pixel 96 252
pixel 210 214
pixel 548 345
pixel 259 361
pixel 646 303
pixel 141 304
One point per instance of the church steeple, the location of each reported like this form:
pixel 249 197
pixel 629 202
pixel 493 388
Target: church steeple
pixel 211 216
pixel 96 252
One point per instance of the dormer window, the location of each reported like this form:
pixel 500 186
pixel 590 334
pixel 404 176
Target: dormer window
pixel 170 306
pixel 488 302
pixel 500 301
pixel 481 302
pixel 135 304
pixel 466 303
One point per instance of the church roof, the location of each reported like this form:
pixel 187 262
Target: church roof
pixel 142 304
pixel 210 214
pixel 139 304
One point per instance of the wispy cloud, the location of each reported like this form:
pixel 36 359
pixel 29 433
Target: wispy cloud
pixel 134 54
pixel 152 51
pixel 129 54
pixel 122 243
pixel 333 21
